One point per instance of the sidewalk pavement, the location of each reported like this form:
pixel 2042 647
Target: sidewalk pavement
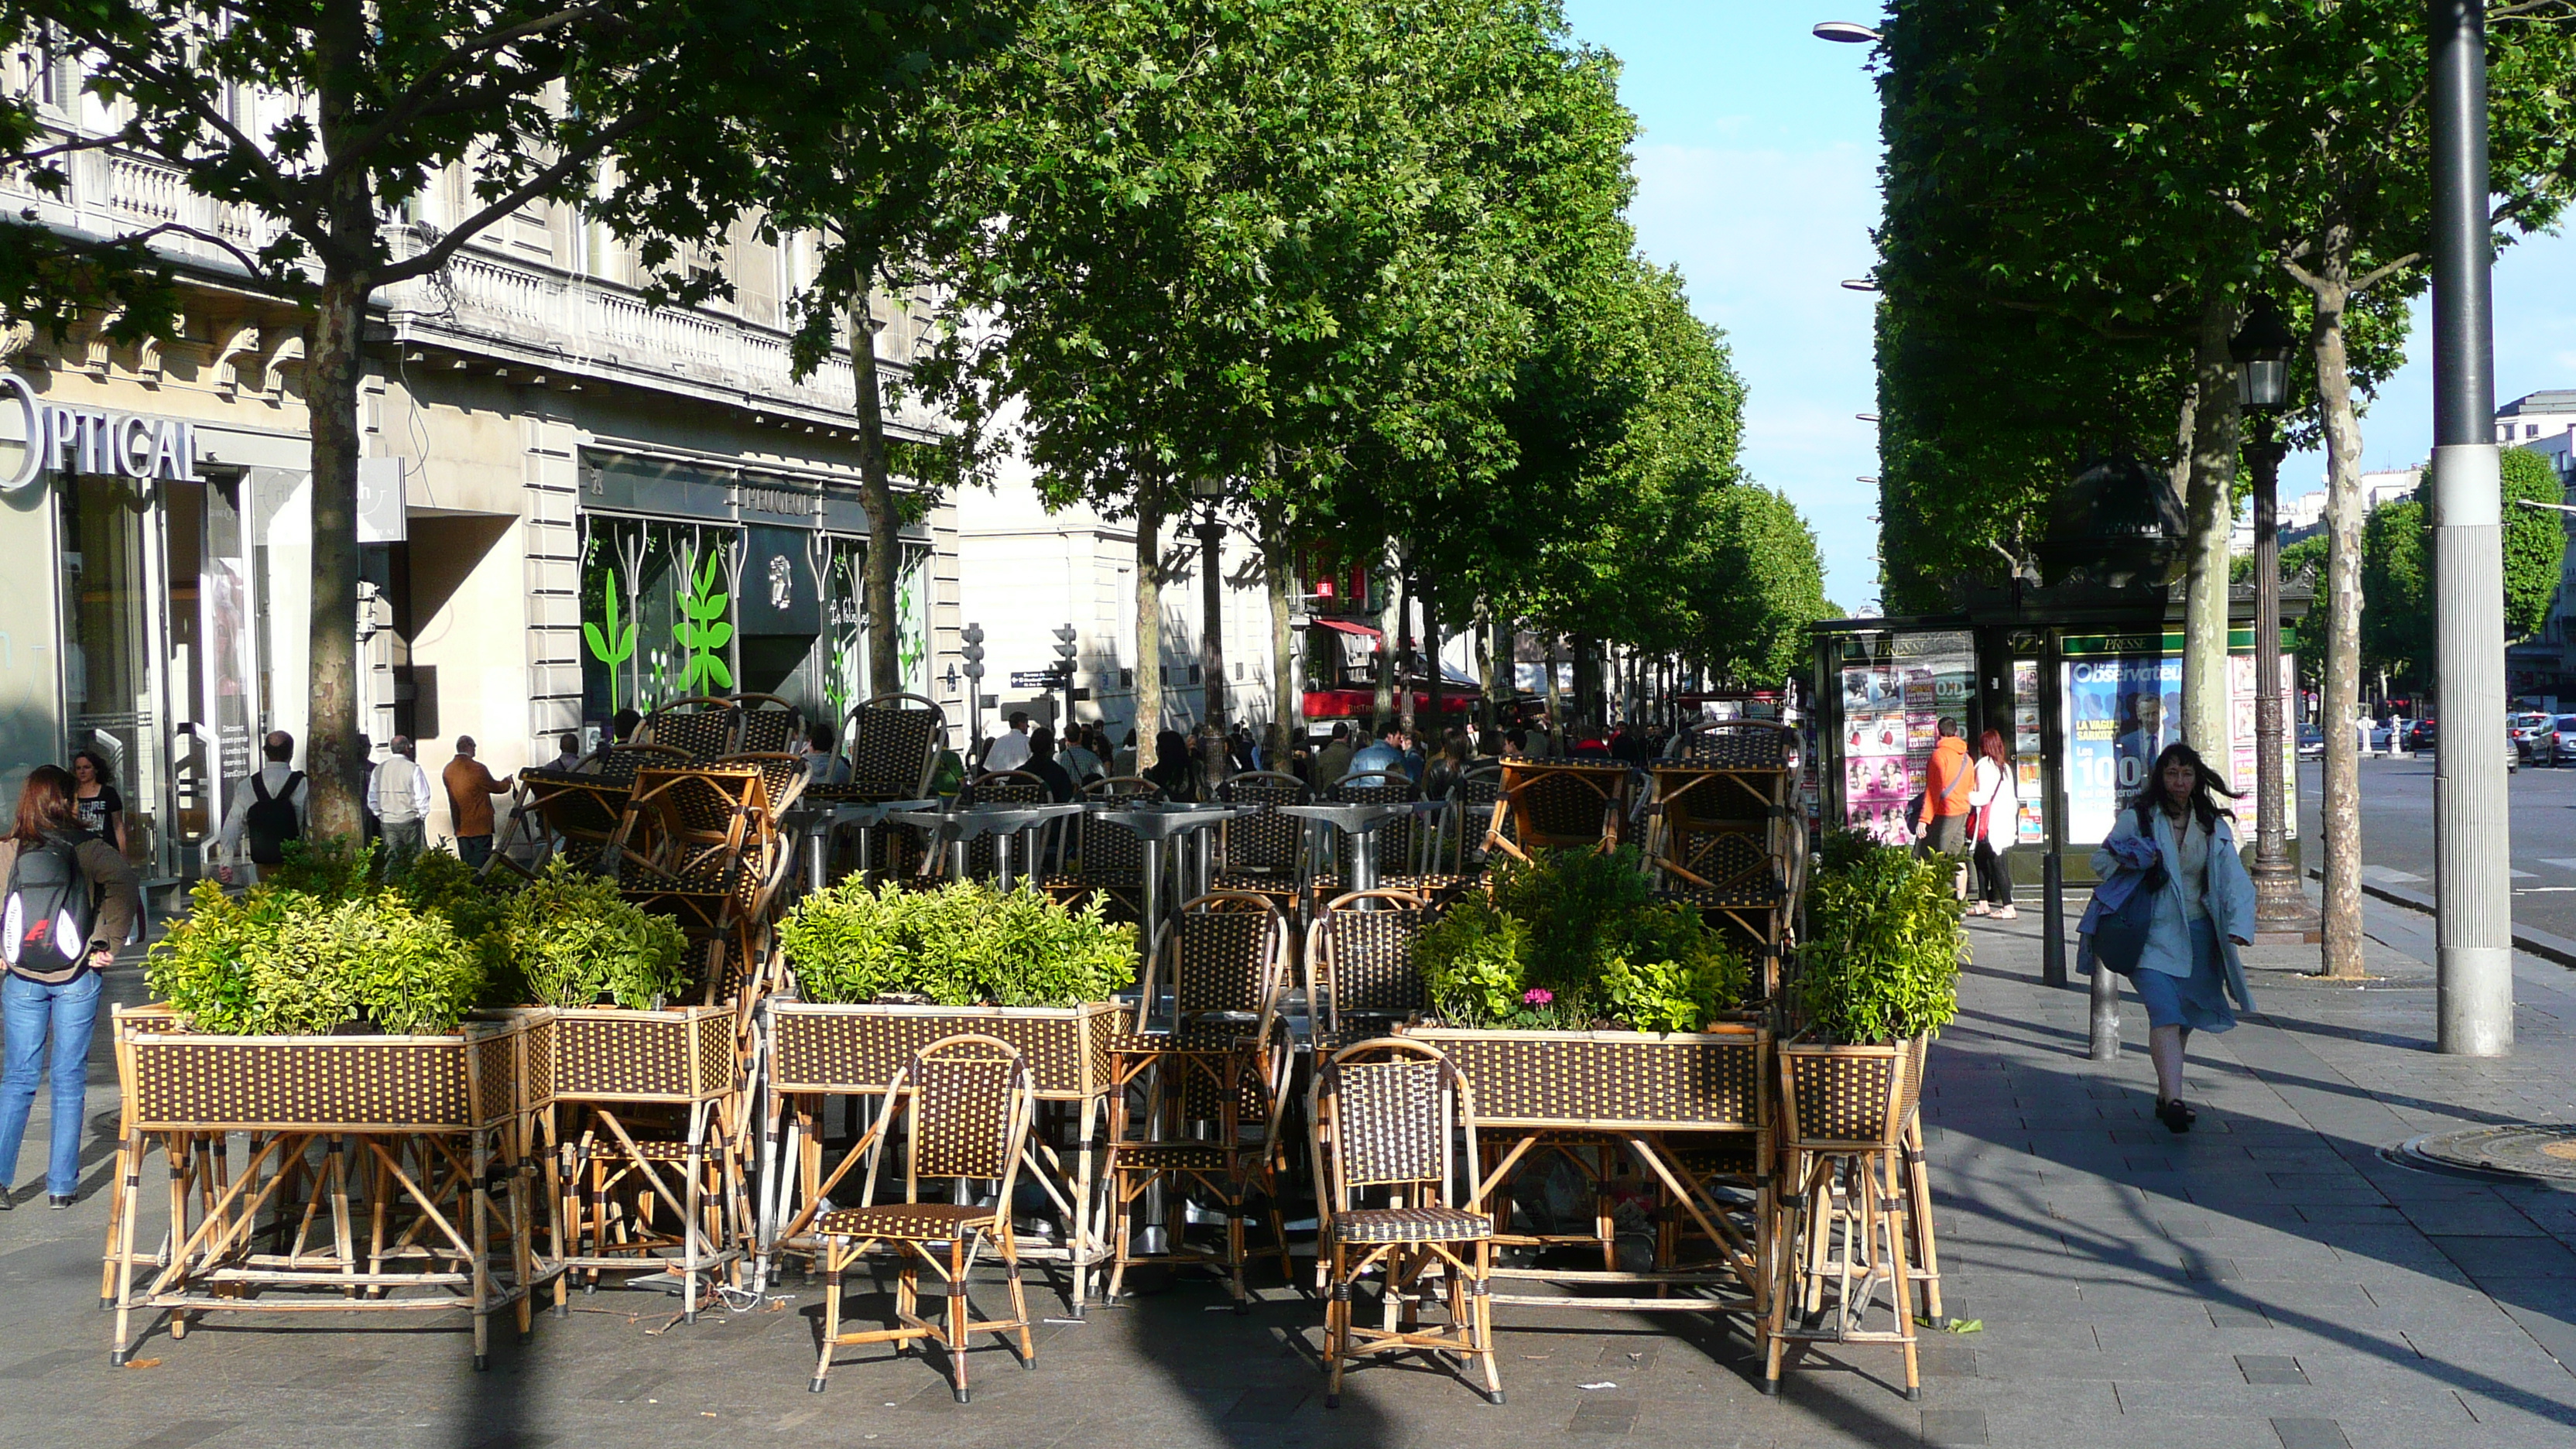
pixel 2268 1281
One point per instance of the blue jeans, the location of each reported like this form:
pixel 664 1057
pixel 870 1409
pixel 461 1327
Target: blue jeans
pixel 69 1011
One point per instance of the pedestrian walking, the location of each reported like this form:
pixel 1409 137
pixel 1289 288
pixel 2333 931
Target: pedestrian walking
pixel 1335 759
pixel 398 793
pixel 102 809
pixel 1009 749
pixel 68 897
pixel 1172 771
pixel 1941 828
pixel 1042 763
pixel 2189 968
pixel 470 788
pixel 268 810
pixel 1994 814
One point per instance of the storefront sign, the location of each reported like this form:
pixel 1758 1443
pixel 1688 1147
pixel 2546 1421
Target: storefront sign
pixel 60 438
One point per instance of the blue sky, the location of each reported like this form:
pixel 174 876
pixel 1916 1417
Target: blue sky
pixel 1757 175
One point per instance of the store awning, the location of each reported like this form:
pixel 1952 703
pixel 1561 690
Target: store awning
pixel 1347 627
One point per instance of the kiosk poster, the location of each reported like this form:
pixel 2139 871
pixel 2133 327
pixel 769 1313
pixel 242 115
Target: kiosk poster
pixel 2032 828
pixel 1874 741
pixel 2122 711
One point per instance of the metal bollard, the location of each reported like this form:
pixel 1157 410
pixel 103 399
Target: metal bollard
pixel 2052 922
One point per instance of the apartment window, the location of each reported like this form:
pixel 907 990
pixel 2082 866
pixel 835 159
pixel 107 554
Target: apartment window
pixel 2531 430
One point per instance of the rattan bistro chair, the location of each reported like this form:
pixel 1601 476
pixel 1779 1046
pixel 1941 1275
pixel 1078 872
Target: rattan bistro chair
pixel 1359 963
pixel 1263 852
pixel 1104 857
pixel 1212 1090
pixel 1384 1116
pixel 571 813
pixel 966 1101
pixel 702 727
pixel 1560 804
pixel 1840 1214
pixel 770 725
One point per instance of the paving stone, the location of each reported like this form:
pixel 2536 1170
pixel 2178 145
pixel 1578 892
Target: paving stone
pixel 1954 1426
pixel 2260 1368
pixel 2310 1434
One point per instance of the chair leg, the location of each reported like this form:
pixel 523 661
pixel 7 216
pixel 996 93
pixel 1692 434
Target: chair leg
pixel 831 1309
pixel 1337 1326
pixel 1921 1246
pixel 1480 1304
pixel 957 1315
pixel 1121 1212
pixel 1898 1277
pixel 1019 1299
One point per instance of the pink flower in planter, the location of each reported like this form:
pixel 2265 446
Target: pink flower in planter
pixel 1537 996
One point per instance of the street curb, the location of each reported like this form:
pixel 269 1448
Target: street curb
pixel 2538 943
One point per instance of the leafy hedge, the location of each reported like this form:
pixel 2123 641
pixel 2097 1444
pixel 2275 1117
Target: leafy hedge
pixel 568 938
pixel 965 944
pixel 1575 939
pixel 1883 947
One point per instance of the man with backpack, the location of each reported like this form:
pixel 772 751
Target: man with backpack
pixel 268 810
pixel 66 899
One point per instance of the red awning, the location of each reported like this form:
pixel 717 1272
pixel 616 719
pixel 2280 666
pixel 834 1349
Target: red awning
pixel 1347 627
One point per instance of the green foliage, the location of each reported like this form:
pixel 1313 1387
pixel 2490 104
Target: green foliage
pixel 964 944
pixel 568 939
pixel 1573 938
pixel 2535 542
pixel 1881 959
pixel 281 961
pixel 2397 591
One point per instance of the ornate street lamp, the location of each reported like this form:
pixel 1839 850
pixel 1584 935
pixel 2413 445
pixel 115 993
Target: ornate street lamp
pixel 2262 351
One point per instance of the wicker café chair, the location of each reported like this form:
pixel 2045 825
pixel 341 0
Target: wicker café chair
pixel 1841 1216
pixel 1479 790
pixel 1212 1089
pixel 1359 963
pixel 967 1101
pixel 571 813
pixel 770 725
pixel 1103 857
pixel 701 727
pixel 891 744
pixel 699 844
pixel 1560 805
pixel 1010 787
pixel 1401 843
pixel 1262 852
pixel 1383 1115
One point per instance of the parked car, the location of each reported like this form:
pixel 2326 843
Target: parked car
pixel 2419 736
pixel 2312 742
pixel 2380 734
pixel 2560 741
pixel 2529 732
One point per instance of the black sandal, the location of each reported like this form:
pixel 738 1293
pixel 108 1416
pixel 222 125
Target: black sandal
pixel 2176 1116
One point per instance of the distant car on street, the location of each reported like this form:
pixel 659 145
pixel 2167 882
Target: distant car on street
pixel 2380 734
pixel 2420 736
pixel 2529 732
pixel 2560 742
pixel 2312 742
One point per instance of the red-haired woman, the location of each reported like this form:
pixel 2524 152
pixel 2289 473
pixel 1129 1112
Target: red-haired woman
pixel 1994 807
pixel 51 984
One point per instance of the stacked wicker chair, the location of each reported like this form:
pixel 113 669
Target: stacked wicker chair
pixel 571 813
pixel 1199 1107
pixel 1103 857
pixel 1560 805
pixel 964 1104
pixel 1726 837
pixel 1386 1117
pixel 891 744
pixel 1360 977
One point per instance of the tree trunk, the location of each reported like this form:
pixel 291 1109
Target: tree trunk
pixel 1431 653
pixel 2211 517
pixel 1149 624
pixel 1502 677
pixel 1555 700
pixel 2330 285
pixel 1408 662
pixel 1286 700
pixel 1212 691
pixel 876 497
pixel 333 353
pixel 1587 680
pixel 1382 708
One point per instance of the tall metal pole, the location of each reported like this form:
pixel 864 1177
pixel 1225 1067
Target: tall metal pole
pixel 2282 915
pixel 2473 900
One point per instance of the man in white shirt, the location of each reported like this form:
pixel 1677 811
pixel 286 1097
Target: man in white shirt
pixel 1010 749
pixel 398 793
pixel 249 841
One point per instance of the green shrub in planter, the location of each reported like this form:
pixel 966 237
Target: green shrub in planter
pixel 1575 939
pixel 1881 958
pixel 278 961
pixel 964 944
pixel 567 939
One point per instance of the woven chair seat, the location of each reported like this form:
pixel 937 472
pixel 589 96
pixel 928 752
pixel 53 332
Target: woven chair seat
pixel 1411 1225
pixel 912 1222
pixel 1175 1156
pixel 1092 880
pixel 1719 1160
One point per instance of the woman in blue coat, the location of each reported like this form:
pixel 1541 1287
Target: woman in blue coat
pixel 2206 910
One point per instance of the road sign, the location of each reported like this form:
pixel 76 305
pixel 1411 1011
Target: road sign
pixel 1036 679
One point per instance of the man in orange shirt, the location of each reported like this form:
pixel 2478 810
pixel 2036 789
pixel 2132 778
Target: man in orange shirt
pixel 1943 826
pixel 470 789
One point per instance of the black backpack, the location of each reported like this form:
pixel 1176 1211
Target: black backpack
pixel 271 820
pixel 48 913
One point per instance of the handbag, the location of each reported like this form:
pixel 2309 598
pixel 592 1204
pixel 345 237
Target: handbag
pixel 2120 936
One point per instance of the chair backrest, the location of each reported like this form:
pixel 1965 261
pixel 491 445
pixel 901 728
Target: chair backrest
pixel 1479 790
pixel 1360 961
pixel 1227 952
pixel 1737 744
pixel 970 1099
pixel 618 763
pixel 1264 843
pixel 892 743
pixel 1107 850
pixel 1384 1114
pixel 1397 840
pixel 770 725
pixel 1008 787
pixel 1562 804
pixel 782 779
pixel 701 727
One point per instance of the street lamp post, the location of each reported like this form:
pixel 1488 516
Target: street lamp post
pixel 1211 532
pixel 2262 352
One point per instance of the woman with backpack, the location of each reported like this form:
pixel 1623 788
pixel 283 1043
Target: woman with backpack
pixel 2203 911
pixel 69 898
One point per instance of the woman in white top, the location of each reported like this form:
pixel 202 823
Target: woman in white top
pixel 1994 811
pixel 2189 969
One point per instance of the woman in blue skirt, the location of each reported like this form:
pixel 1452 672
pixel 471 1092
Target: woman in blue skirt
pixel 2189 968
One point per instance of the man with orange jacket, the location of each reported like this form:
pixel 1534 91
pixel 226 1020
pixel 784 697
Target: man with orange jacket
pixel 1943 826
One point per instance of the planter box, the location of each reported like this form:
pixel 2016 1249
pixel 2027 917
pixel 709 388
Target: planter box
pixel 816 1048
pixel 1642 1081
pixel 1849 1097
pixel 183 1081
pixel 609 1054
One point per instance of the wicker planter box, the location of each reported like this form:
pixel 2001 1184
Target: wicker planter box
pixel 182 1081
pixel 816 1048
pixel 1853 1097
pixel 609 1054
pixel 1637 1080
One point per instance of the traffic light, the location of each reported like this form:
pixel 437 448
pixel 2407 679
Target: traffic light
pixel 1065 650
pixel 974 651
